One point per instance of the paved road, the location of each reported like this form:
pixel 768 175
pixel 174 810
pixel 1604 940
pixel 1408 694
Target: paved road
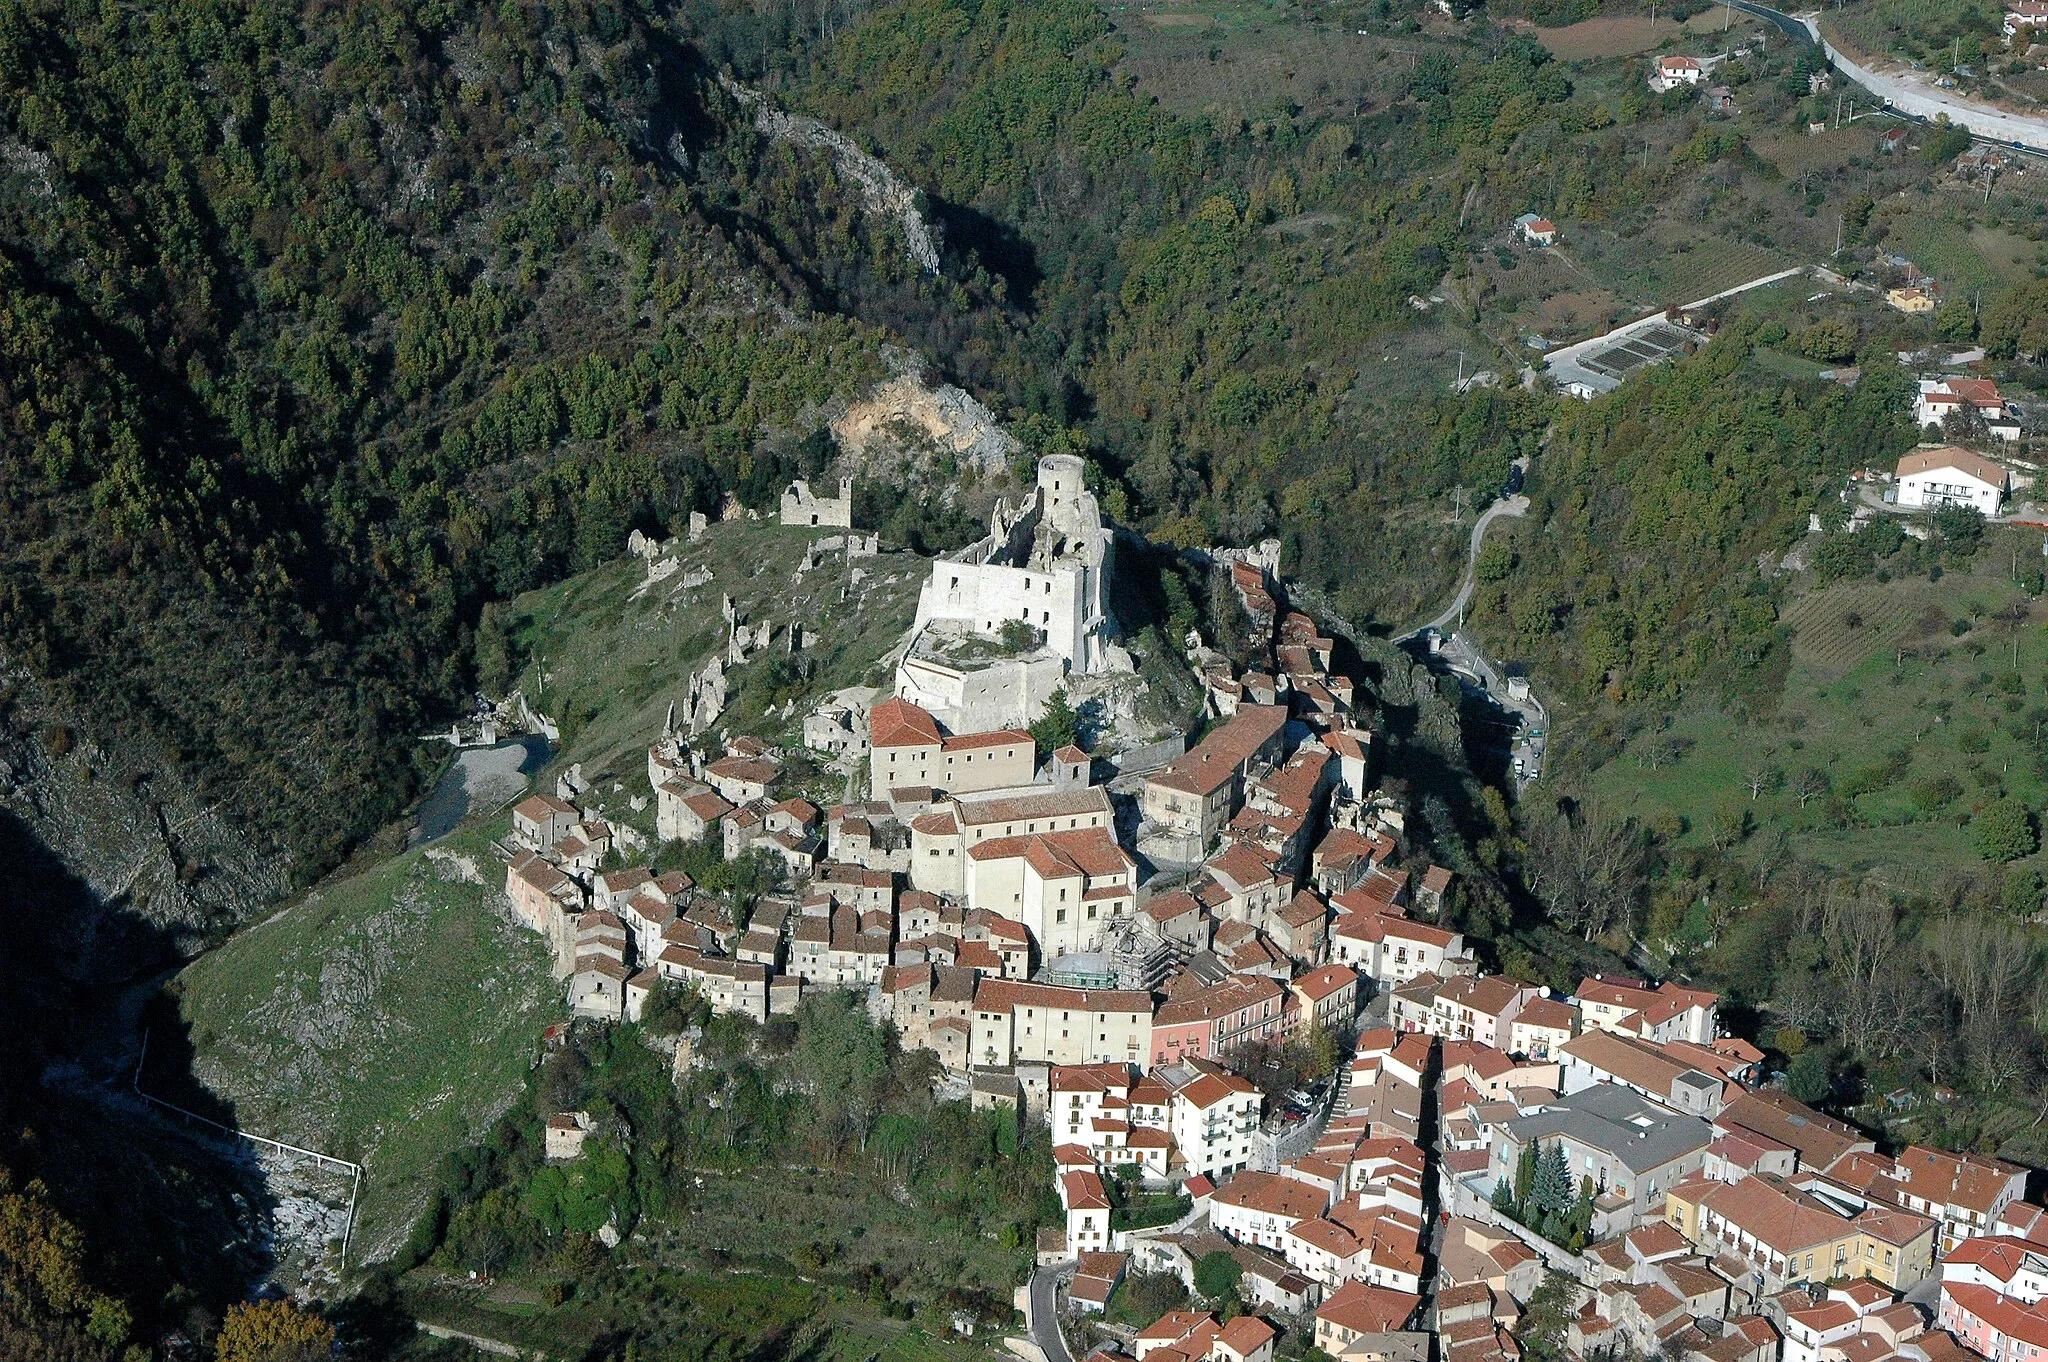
pixel 1043 1318
pixel 1462 655
pixel 1512 506
pixel 1913 93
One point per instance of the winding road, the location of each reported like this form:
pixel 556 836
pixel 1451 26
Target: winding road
pixel 1510 507
pixel 1916 98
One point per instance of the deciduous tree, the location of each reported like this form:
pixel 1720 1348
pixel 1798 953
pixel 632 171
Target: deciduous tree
pixel 273 1331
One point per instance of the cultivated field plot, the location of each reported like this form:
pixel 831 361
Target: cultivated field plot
pixel 1923 29
pixel 1799 154
pixel 1944 244
pixel 1241 62
pixel 1621 35
pixel 1834 630
pixel 1652 269
pixel 1652 345
pixel 1916 701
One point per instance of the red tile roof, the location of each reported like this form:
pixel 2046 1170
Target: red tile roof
pixel 898 723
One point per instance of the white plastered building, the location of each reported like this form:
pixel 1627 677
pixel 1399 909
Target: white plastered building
pixel 1048 566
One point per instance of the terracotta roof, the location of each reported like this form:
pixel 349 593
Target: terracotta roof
pixel 1274 1195
pixel 1024 808
pixel 1238 991
pixel 1820 1140
pixel 753 770
pixel 538 808
pixel 1968 1180
pixel 1085 1191
pixel 2028 1323
pixel 709 806
pixel 898 723
pixel 1000 995
pixel 1775 1214
pixel 1052 855
pixel 1369 1309
pixel 1547 1013
pixel 1214 762
pixel 1002 737
pixel 1487 993
pixel 1090 1077
pixel 1247 1334
pixel 1631 1061
pixel 1174 1325
pixel 1326 981
pixel 1207 1090
pixel 1999 1255
pixel 1167 907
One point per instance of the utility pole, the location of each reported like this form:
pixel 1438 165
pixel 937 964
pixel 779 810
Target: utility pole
pixel 1838 235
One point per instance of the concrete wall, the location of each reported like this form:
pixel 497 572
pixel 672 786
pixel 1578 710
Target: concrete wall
pixel 1006 694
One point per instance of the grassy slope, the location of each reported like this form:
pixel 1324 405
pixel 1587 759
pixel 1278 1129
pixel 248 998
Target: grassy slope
pixel 385 1017
pixel 785 1316
pixel 614 664
pixel 390 1015
pixel 1849 699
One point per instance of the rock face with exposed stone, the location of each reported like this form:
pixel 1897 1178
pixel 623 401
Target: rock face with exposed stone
pixel 872 432
pixel 880 190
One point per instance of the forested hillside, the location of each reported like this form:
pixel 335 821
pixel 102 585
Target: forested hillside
pixel 321 329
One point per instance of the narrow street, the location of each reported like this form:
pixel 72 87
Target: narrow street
pixel 1043 1316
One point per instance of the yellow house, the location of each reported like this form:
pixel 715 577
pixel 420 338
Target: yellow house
pixel 1912 298
pixel 1787 1234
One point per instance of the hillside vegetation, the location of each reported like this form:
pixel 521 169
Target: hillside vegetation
pixel 323 327
pixel 383 1019
pixel 391 1015
pixel 606 652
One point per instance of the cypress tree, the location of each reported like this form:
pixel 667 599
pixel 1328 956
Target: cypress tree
pixel 1525 1176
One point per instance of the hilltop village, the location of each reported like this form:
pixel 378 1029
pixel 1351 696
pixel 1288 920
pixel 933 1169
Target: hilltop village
pixel 1464 1164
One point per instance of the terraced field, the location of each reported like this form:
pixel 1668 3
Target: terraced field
pixel 1621 35
pixel 1833 630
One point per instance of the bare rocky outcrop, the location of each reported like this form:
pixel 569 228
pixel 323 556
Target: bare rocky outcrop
pixel 136 835
pixel 880 189
pixel 873 432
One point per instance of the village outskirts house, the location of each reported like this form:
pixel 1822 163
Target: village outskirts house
pixel 1536 229
pixel 2024 16
pixel 1941 398
pixel 1912 299
pixel 1951 476
pixel 1672 71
